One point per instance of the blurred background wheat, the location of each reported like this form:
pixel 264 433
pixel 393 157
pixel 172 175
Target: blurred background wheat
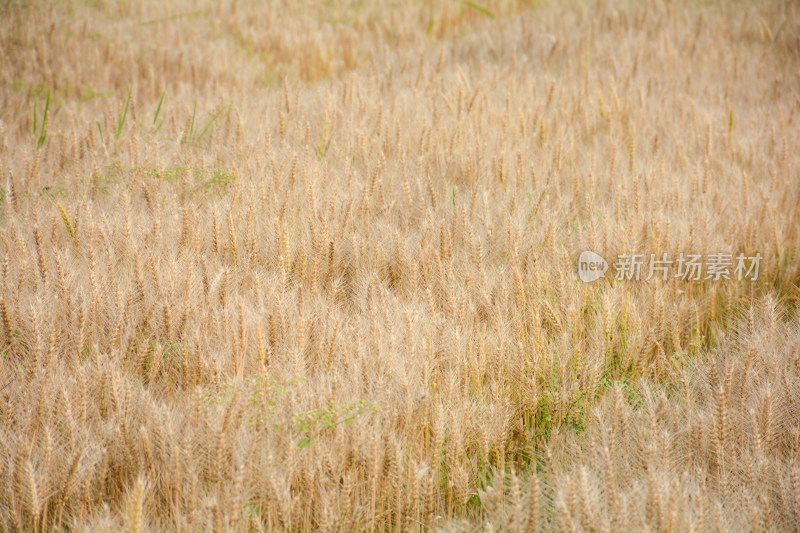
pixel 312 265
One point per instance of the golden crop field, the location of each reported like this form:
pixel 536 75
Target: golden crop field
pixel 316 265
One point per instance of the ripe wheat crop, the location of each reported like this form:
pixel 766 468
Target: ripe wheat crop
pixel 314 265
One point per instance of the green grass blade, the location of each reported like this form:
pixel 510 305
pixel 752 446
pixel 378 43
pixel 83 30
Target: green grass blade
pixel 158 109
pixel 188 140
pixel 123 115
pixel 324 142
pixel 42 133
pixel 208 125
pixel 480 8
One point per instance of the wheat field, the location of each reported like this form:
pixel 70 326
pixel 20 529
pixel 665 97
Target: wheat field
pixel 313 265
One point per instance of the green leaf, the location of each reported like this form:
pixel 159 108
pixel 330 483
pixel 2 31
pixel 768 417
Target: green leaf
pixel 324 142
pixel 123 115
pixel 42 134
pixel 191 125
pixel 208 125
pixel 477 7
pixel 158 109
pixel 304 443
